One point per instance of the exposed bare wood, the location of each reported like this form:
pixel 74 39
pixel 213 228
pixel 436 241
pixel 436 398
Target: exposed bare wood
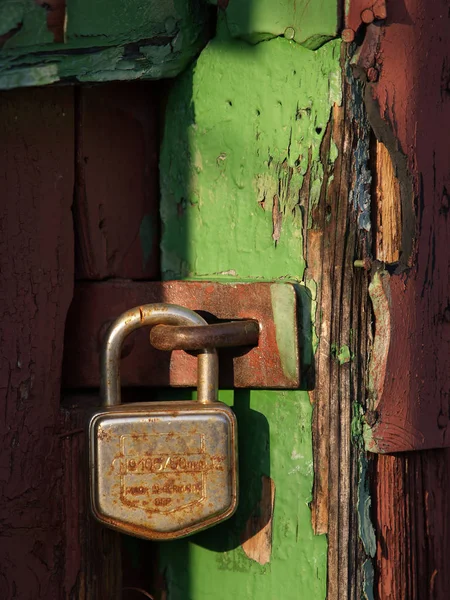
pixel 258 532
pixel 386 207
pixel 341 321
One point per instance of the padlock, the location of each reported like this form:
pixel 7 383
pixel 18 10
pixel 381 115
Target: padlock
pixel 161 470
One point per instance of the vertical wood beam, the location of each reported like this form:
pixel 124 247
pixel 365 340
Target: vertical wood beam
pixel 36 266
pixel 333 242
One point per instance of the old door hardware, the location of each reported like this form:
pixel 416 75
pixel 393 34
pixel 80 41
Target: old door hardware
pixel 273 364
pixel 161 470
pixel 219 335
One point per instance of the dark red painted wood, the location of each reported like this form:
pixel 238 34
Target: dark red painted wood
pixel 409 109
pixel 412 520
pixel 92 560
pixel 116 196
pixel 36 282
pixel 363 12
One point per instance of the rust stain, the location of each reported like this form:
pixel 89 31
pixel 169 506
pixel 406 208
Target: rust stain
pixel 95 304
pixel 168 484
pixel 258 530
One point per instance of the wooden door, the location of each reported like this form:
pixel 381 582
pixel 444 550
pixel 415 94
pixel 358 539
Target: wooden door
pixel 285 154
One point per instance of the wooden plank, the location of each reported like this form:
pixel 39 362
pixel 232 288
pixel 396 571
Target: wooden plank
pixel 408 388
pixel 92 553
pixel 116 195
pixel 36 266
pixel 406 65
pixel 230 178
pixel 338 381
pixel 412 521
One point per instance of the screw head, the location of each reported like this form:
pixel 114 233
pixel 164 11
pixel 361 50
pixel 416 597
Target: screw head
pixel 348 35
pixel 289 33
pixel 379 10
pixel 367 16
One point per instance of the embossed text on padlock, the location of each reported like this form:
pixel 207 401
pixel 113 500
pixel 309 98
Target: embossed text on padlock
pixel 161 470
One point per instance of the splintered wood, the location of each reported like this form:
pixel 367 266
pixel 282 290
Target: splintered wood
pixel 388 232
pixel 258 531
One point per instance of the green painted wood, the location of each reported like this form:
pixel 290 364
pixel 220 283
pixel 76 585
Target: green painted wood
pixel 308 23
pixel 242 126
pixel 102 40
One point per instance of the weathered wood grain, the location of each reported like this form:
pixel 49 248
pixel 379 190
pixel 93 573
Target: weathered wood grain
pixel 386 207
pixel 36 266
pixel 407 108
pixel 116 194
pixel 333 242
pixel 92 553
pixel 407 103
pixel 412 522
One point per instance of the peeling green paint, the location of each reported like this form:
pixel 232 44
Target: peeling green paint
pixel 308 23
pixel 341 353
pixel 274 440
pixel 283 308
pixel 368 580
pixel 104 41
pixel 344 355
pixel 243 126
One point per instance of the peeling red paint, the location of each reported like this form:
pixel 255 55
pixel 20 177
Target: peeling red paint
pixel 408 107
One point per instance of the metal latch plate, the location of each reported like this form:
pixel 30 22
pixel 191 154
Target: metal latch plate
pixel 274 363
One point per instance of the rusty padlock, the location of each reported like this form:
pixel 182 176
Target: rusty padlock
pixel 161 470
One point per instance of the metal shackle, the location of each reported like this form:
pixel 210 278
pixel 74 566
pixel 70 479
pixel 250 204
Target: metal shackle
pixel 154 314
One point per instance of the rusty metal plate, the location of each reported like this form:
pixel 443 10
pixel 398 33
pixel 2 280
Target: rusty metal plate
pixel 274 363
pixel 163 470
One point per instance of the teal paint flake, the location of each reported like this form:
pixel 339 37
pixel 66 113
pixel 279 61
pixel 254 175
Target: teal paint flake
pixel 365 526
pixel 368 580
pixel 104 41
pixel 30 16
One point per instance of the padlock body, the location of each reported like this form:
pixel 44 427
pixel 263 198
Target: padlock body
pixel 163 470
